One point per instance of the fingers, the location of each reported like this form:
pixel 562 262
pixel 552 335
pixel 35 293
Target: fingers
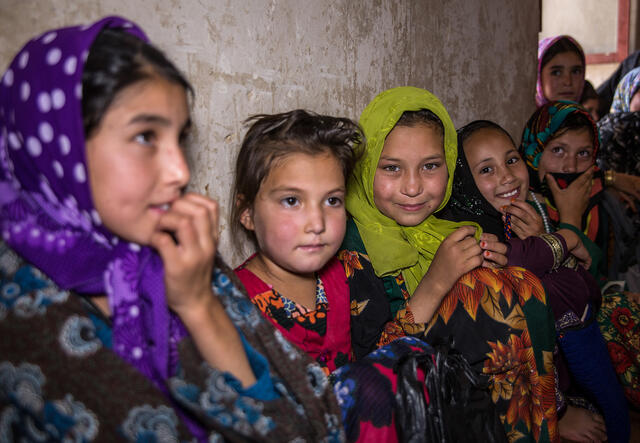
pixel 460 233
pixel 202 213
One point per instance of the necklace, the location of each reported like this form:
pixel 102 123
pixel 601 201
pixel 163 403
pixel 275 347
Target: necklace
pixel 543 213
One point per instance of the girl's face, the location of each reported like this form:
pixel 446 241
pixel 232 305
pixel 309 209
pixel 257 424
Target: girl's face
pixel 298 215
pixel 499 172
pixel 411 178
pixel 563 77
pixel 570 152
pixel 135 159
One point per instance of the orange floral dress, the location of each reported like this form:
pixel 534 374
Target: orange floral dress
pixel 499 319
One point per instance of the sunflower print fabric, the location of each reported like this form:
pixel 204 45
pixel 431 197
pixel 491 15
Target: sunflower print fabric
pixel 499 319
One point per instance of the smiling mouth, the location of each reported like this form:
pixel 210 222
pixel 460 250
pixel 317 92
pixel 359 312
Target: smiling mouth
pixel 513 194
pixel 412 208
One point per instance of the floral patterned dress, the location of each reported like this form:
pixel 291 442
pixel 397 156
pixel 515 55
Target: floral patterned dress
pixel 376 406
pixel 493 317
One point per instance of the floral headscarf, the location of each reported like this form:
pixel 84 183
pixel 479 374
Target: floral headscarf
pixel 391 247
pixel 625 90
pixel 542 126
pixel 46 211
pixel 540 129
pixel 543 46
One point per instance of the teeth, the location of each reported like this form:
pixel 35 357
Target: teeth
pixel 165 207
pixel 509 194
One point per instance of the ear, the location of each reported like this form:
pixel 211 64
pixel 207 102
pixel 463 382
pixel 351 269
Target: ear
pixel 246 216
pixel 246 219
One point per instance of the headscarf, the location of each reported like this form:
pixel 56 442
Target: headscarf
pixel 543 46
pixel 46 211
pixel 542 127
pixel 625 90
pixel 391 247
pixel 467 202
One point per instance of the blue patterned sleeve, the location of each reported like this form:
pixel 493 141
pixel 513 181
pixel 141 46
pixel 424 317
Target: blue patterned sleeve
pixel 263 389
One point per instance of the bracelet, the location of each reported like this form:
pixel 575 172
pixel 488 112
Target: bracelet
pixel 609 177
pixel 556 249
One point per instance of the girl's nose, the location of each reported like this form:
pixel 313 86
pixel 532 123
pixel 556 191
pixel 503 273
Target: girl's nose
pixel 569 165
pixel 175 167
pixel 315 220
pixel 411 185
pixel 506 176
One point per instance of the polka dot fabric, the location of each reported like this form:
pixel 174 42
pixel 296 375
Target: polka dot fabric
pixel 46 211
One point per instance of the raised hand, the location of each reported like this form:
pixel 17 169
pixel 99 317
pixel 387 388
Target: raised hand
pixel 525 221
pixel 572 201
pixel 458 254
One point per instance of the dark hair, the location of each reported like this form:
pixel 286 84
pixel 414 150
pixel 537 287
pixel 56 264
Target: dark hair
pixel 271 138
pixel 471 128
pixel 117 60
pixel 561 46
pixel 421 117
pixel 575 121
pixel 588 92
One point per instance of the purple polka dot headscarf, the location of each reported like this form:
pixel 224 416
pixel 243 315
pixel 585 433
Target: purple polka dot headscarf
pixel 543 46
pixel 46 211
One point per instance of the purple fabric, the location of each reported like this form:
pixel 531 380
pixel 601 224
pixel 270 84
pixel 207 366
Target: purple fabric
pixel 543 46
pixel 568 289
pixel 46 210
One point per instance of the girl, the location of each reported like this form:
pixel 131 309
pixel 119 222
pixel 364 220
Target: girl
pixel 290 200
pixel 620 130
pixel 490 179
pixel 560 70
pixel 626 98
pixel 560 138
pixel 111 325
pixel 406 264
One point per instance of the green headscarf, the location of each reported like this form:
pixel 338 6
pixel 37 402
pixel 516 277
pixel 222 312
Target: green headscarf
pixel 393 248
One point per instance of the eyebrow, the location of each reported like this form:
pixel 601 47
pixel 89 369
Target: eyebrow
pixel 562 66
pixel 150 118
pixel 158 120
pixel 294 189
pixel 431 157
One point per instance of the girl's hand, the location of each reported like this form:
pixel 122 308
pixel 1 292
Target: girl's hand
pixel 576 247
pixel 193 221
pixel 494 252
pixel 582 254
pixel 628 185
pixel 627 199
pixel 572 202
pixel 458 254
pixel 188 267
pixel 525 221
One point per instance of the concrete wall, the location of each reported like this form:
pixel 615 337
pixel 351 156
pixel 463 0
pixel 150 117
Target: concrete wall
pixel 250 56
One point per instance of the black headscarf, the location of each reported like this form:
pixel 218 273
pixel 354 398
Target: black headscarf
pixel 467 202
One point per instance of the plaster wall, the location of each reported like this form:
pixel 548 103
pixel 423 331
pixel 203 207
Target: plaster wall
pixel 253 56
pixel 593 23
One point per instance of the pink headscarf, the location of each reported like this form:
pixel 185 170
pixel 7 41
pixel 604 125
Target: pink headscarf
pixel 543 46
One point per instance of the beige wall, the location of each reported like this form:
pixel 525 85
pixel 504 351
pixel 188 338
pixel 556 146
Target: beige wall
pixel 250 56
pixel 593 23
